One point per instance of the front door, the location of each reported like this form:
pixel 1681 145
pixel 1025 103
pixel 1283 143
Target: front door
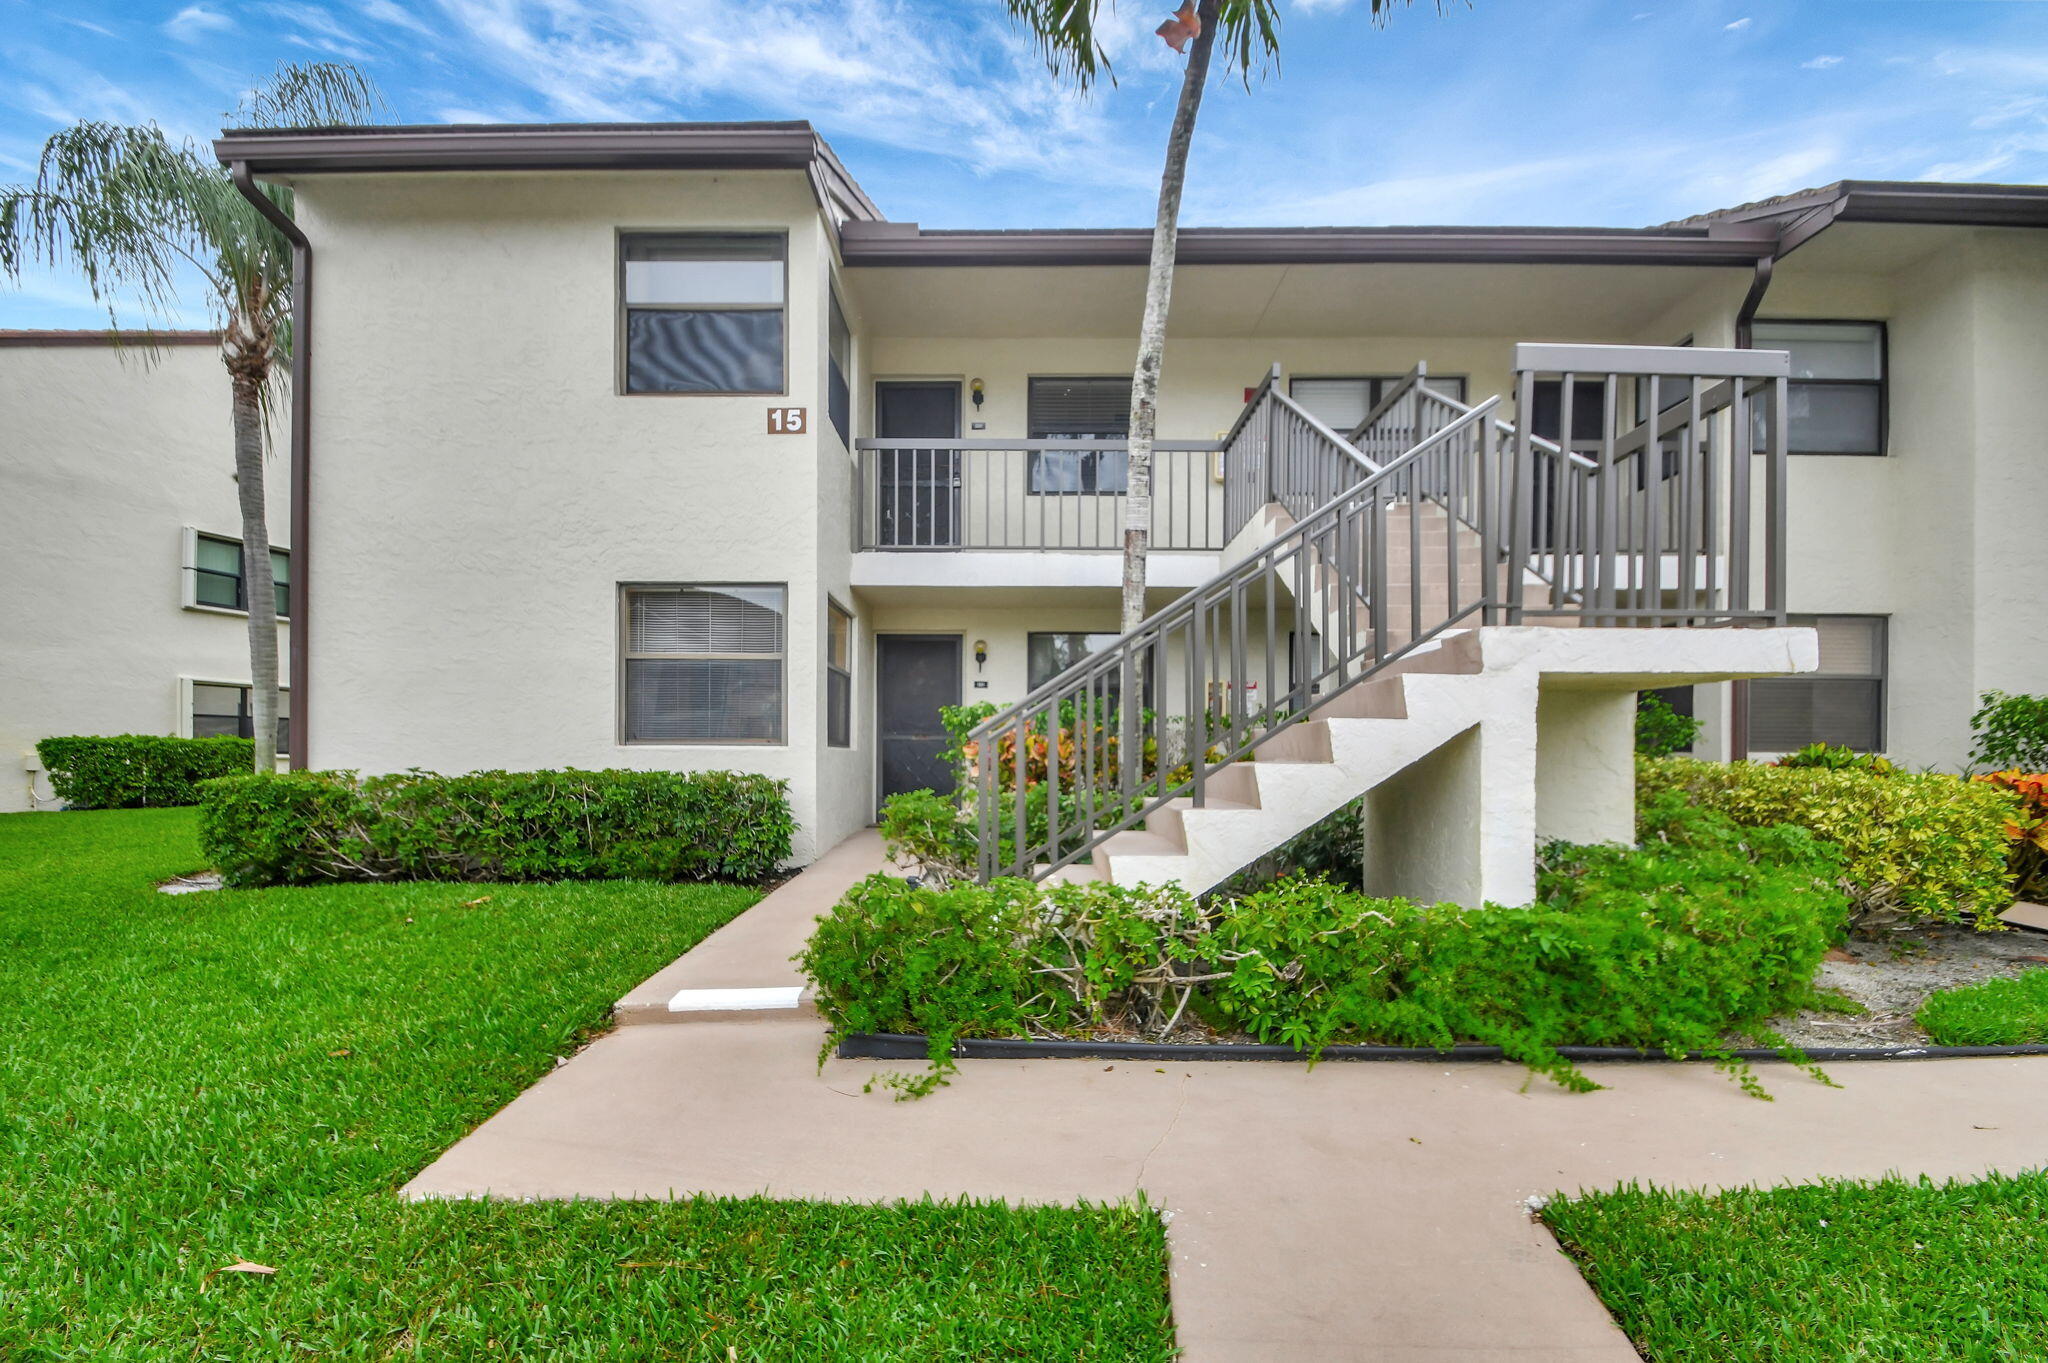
pixel 918 491
pixel 915 675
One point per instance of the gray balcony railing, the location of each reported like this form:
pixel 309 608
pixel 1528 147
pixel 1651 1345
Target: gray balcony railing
pixel 923 495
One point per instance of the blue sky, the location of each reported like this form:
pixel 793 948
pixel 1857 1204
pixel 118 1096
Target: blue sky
pixel 1501 111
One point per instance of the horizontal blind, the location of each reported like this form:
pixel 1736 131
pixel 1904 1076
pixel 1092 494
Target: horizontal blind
pixel 698 620
pixel 1079 407
pixel 1339 404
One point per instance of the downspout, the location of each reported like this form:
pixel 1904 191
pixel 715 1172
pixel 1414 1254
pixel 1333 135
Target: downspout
pixel 299 672
pixel 1745 320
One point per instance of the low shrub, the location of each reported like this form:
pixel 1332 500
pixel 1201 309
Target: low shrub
pixel 312 826
pixel 138 771
pixel 2027 828
pixel 1915 845
pixel 1707 931
pixel 2010 732
pixel 1835 757
pixel 2008 1012
pixel 1660 729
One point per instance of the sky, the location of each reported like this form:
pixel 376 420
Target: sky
pixel 1528 112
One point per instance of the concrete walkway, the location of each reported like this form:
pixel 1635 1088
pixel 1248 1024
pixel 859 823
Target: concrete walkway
pixel 1356 1211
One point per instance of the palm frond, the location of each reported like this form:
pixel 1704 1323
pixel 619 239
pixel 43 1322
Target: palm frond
pixel 1064 31
pixel 310 95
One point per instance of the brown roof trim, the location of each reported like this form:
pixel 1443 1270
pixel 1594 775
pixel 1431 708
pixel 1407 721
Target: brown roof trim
pixel 139 339
pixel 272 152
pixel 1960 205
pixel 903 244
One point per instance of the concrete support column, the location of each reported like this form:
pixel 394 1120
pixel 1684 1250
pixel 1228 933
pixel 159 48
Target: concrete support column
pixel 1585 765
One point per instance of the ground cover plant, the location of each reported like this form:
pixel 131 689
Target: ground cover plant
pixel 1893 1271
pixel 1916 846
pixel 1704 931
pixel 191 1081
pixel 309 827
pixel 2006 1012
pixel 138 771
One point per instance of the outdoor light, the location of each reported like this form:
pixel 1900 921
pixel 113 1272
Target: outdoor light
pixel 974 387
pixel 980 645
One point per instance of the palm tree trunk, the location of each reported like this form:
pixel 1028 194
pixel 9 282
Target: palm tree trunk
pixel 1152 336
pixel 258 586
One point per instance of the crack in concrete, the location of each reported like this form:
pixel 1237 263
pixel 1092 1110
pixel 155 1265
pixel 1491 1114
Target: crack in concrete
pixel 1138 1180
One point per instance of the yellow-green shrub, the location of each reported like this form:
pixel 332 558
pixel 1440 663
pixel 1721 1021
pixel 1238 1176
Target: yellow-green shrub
pixel 1915 845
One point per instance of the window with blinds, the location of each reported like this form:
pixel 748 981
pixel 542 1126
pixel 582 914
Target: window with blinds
pixel 1342 402
pixel 217 578
pixel 703 313
pixel 222 710
pixel 1841 703
pixel 1837 393
pixel 1078 408
pixel 838 675
pixel 704 664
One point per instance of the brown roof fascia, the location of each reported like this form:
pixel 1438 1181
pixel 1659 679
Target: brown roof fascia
pixel 140 340
pixel 903 244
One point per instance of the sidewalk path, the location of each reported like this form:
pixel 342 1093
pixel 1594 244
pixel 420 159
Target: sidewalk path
pixel 1368 1211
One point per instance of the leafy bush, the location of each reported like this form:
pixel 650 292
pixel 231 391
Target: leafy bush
pixel 2010 732
pixel 2008 1012
pixel 1661 730
pixel 2028 829
pixel 1707 930
pixel 138 771
pixel 301 827
pixel 1835 757
pixel 1915 845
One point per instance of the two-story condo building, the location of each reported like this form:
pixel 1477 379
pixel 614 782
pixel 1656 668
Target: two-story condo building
pixel 658 445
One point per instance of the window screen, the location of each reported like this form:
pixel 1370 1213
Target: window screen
pixel 838 676
pixel 703 314
pixel 704 664
pixel 839 394
pixel 217 574
pixel 1841 703
pixel 1083 408
pixel 1837 392
pixel 225 711
pixel 1341 403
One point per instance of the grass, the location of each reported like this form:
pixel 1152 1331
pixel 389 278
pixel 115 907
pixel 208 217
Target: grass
pixel 2007 1012
pixel 190 1081
pixel 1894 1271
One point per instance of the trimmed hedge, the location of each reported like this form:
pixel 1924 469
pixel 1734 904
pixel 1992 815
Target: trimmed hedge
pixel 307 827
pixel 1915 844
pixel 1704 933
pixel 139 771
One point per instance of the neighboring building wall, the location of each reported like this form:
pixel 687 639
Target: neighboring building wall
pixel 108 456
pixel 481 488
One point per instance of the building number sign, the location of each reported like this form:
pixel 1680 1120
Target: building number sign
pixel 788 421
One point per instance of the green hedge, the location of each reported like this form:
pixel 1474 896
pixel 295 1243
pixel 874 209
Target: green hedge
pixel 1915 844
pixel 138 771
pixel 314 826
pixel 1705 932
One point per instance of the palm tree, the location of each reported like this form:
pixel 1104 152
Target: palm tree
pixel 1065 31
pixel 137 215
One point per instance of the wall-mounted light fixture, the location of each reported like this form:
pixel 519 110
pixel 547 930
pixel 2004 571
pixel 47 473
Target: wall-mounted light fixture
pixel 980 653
pixel 974 390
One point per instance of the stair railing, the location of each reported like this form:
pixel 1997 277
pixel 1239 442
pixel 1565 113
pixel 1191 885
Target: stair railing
pixel 1261 646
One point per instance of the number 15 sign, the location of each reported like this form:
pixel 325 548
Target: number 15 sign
pixel 787 421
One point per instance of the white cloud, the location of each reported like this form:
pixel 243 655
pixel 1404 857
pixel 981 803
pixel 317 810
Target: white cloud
pixel 1319 6
pixel 1976 168
pixel 89 26
pixel 388 12
pixel 1820 63
pixel 194 22
pixel 1738 25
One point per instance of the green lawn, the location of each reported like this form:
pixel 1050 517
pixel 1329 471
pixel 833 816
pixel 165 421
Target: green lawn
pixel 190 1081
pixel 1885 1272
pixel 2008 1012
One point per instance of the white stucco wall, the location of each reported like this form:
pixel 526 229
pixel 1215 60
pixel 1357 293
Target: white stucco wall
pixel 105 458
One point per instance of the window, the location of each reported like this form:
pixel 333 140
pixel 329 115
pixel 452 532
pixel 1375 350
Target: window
pixel 1048 654
pixel 214 573
pixel 1087 408
pixel 838 675
pixel 1841 703
pixel 703 314
pixel 223 710
pixel 703 664
pixel 1341 403
pixel 1589 411
pixel 1838 383
pixel 839 394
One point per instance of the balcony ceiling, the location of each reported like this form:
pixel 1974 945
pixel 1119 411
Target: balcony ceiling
pixel 1561 302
